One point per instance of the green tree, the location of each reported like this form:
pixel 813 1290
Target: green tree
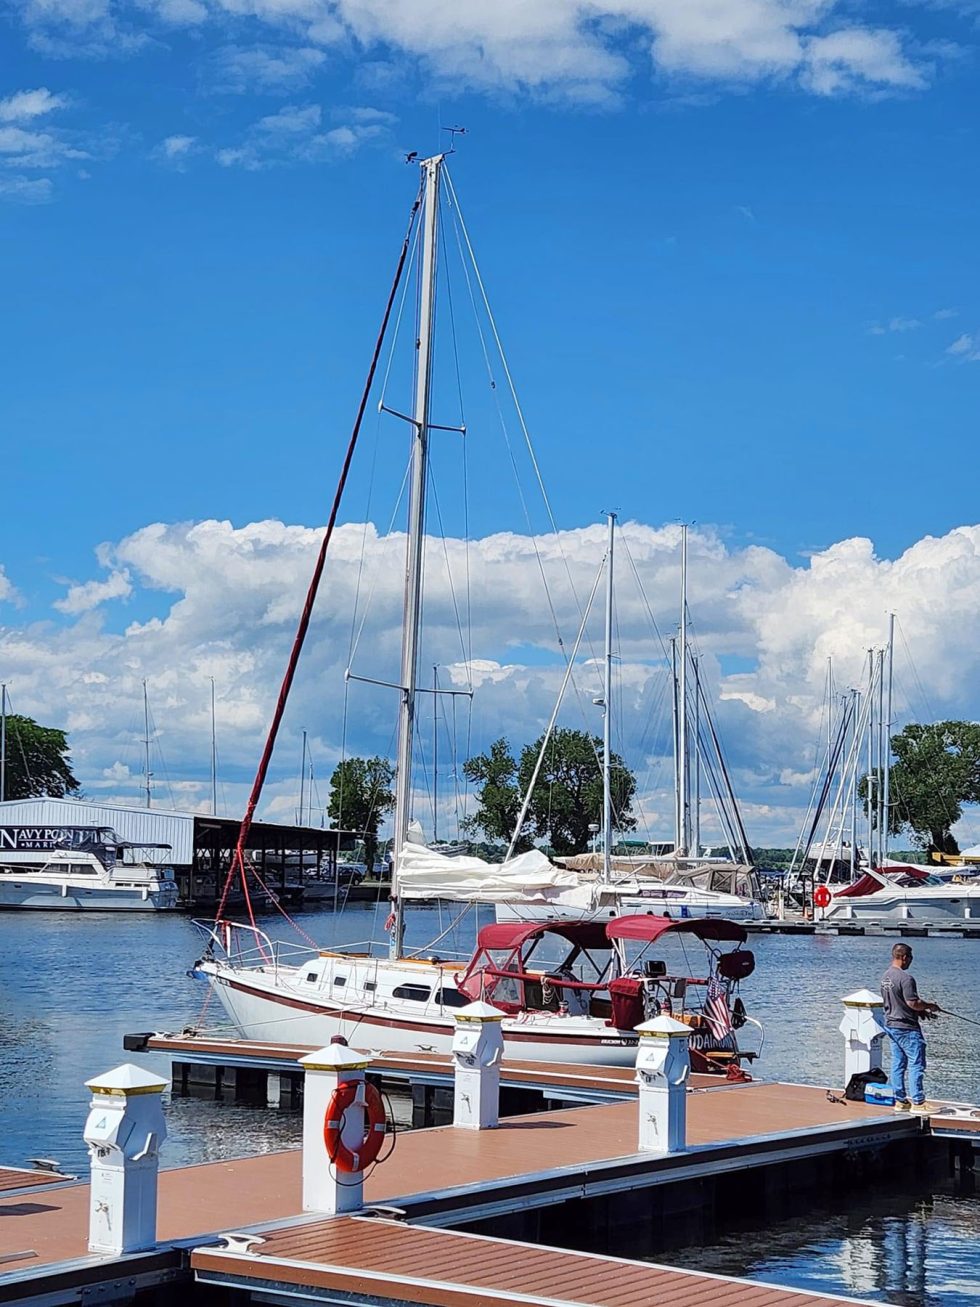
pixel 495 773
pixel 567 798
pixel 936 770
pixel 37 760
pixel 360 795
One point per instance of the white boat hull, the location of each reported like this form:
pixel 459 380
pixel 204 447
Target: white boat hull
pixel 263 1008
pixel 945 904
pixel 63 897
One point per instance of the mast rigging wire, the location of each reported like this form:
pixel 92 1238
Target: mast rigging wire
pixel 238 857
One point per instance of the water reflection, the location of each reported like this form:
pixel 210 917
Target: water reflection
pixel 911 1248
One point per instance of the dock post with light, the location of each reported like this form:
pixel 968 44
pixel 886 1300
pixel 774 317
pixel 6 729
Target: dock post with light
pixel 328 1186
pixel 663 1065
pixel 124 1131
pixel 478 1049
pixel 864 1030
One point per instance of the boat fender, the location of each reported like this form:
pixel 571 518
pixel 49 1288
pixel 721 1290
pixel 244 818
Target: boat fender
pixel 354 1093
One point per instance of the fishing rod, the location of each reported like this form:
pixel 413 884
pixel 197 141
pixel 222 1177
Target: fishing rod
pixel 959 1017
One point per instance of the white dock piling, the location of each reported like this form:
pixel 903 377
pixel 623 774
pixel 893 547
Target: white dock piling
pixel 663 1065
pixel 478 1049
pixel 124 1131
pixel 327 1186
pixel 863 1030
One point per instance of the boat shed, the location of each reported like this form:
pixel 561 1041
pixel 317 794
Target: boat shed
pixel 199 846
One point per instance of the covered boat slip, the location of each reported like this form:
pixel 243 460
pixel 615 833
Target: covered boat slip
pixel 519 1173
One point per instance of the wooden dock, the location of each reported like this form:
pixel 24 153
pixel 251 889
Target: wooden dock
pixel 546 1174
pixel 373 1260
pixel 243 1070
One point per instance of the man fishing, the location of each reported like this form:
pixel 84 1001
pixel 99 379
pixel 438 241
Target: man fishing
pixel 903 1010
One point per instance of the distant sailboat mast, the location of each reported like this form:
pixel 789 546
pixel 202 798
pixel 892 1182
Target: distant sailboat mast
pixel 214 757
pixel 147 774
pixel 607 806
pixel 3 742
pixel 683 771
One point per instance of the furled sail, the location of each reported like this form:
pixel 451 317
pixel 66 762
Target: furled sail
pixel 528 878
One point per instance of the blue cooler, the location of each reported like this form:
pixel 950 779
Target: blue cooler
pixel 879 1095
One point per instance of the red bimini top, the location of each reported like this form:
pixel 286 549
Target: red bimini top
pixel 649 928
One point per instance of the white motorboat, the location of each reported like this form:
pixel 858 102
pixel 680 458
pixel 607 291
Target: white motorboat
pixel 38 871
pixel 911 894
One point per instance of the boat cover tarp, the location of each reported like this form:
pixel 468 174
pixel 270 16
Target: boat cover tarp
pixel 867 883
pixel 649 928
pixel 528 878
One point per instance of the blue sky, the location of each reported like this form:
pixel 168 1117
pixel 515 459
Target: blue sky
pixel 731 246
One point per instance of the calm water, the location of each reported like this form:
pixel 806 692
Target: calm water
pixel 915 1250
pixel 74 985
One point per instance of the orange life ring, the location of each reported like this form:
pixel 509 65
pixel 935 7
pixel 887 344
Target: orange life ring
pixel 822 896
pixel 354 1093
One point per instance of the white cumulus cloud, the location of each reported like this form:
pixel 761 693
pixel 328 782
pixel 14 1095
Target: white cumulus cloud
pixel 223 601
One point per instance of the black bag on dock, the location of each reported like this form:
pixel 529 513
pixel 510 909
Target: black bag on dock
pixel 858 1082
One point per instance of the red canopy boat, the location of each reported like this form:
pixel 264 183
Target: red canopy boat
pixel 588 968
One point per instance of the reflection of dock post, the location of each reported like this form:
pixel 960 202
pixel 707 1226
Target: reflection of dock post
pixel 663 1064
pixel 478 1047
pixel 124 1131
pixel 325 1187
pixel 863 1031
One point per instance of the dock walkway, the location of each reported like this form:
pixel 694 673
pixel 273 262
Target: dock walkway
pixel 370 1259
pixel 444 1177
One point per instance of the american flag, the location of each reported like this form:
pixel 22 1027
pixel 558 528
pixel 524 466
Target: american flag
pixel 716 1010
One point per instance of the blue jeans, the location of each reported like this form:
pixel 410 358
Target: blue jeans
pixel 908 1053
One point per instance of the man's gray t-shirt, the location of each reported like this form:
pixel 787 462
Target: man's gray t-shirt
pixel 897 987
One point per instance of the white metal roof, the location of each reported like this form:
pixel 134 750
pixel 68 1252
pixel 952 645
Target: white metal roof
pixel 135 825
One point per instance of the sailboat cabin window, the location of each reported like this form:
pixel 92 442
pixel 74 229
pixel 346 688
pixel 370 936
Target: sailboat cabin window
pixel 452 998
pixel 420 993
pixel 340 980
pixel 311 976
pixel 370 984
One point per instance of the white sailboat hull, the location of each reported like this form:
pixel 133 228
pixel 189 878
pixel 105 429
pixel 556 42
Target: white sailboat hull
pixel 279 1005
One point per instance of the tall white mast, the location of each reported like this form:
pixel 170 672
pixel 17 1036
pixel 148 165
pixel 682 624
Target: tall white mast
pixel 3 742
pixel 435 754
pixel 607 809
pixel 886 748
pixel 431 170
pixel 682 738
pixel 677 749
pixel 881 753
pixel 146 743
pixel 869 795
pixel 696 806
pixel 302 782
pixel 214 757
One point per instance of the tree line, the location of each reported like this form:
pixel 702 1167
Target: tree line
pixel 935 771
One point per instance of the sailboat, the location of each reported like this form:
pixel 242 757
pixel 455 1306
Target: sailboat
pixel 587 985
pixel 870 887
pixel 678 882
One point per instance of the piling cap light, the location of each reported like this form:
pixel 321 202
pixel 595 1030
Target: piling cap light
pixel 863 998
pixel 336 1057
pixel 478 1011
pixel 663 1028
pixel 127 1081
